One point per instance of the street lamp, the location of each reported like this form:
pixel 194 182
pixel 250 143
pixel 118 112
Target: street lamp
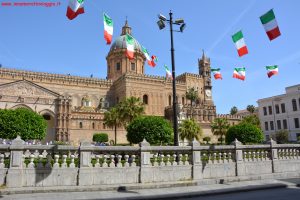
pixel 161 25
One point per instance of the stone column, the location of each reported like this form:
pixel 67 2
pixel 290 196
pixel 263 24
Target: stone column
pixel 274 156
pixel 240 167
pixel 145 170
pixel 196 162
pixel 15 172
pixel 85 176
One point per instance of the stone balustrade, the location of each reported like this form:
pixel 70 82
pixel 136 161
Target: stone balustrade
pixel 23 165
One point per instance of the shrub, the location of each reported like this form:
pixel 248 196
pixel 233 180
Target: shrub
pixel 245 133
pixel 156 130
pixel 26 123
pixel 100 137
pixel 282 137
pixel 206 139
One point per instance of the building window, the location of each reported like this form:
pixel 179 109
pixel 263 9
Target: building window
pixel 86 101
pixel 266 126
pixel 182 101
pixel 145 99
pixel 278 124
pixel 93 125
pixel 265 110
pixel 80 125
pixel 296 121
pixel 270 110
pixel 283 108
pixel 294 103
pixel 118 66
pixel 277 109
pixel 284 124
pixel 267 137
pixel 117 99
pixel 170 100
pixel 132 66
pixel 272 125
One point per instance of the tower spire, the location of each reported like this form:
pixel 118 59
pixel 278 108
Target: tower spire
pixel 126 29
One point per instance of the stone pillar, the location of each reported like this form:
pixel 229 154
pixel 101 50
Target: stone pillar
pixel 274 156
pixel 145 175
pixel 196 161
pixel 15 171
pixel 240 167
pixel 85 176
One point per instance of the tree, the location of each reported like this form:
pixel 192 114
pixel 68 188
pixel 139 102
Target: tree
pixel 129 109
pixel 156 130
pixel 233 110
pixel 245 133
pixel 24 122
pixel 251 119
pixel 189 129
pixel 192 94
pixel 282 137
pixel 219 127
pixel 100 137
pixel 112 119
pixel 251 108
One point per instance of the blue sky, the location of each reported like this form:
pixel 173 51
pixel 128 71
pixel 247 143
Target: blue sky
pixel 43 39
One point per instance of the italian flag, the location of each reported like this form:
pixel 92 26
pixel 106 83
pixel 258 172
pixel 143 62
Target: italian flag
pixel 130 46
pixel 150 61
pixel 217 73
pixel 239 73
pixel 75 8
pixel 108 28
pixel 272 70
pixel 240 44
pixel 270 24
pixel 168 73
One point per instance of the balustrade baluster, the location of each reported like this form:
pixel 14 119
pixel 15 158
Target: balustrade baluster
pixel 119 161
pixel 133 163
pixel 56 164
pixel 104 164
pixel 72 164
pixel 112 161
pixel 31 164
pixel 162 163
pixel 64 162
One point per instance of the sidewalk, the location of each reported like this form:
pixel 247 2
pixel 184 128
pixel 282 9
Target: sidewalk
pixel 130 192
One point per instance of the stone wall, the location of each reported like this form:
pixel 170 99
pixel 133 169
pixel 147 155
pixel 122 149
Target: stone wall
pixel 87 165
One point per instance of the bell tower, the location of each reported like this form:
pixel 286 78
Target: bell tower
pixel 204 71
pixel 118 63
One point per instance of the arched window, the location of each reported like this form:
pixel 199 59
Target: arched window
pixel 170 100
pixel 104 126
pixel 294 103
pixel 117 99
pixel 182 101
pixel 145 99
pixel 80 125
pixel 86 101
pixel 93 125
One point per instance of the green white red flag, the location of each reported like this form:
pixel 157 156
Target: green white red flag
pixel 272 70
pixel 108 28
pixel 270 24
pixel 240 44
pixel 75 8
pixel 149 60
pixel 217 74
pixel 168 73
pixel 130 46
pixel 239 73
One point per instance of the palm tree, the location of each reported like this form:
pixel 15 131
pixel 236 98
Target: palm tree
pixel 233 110
pixel 219 127
pixel 192 94
pixel 251 108
pixel 112 119
pixel 189 129
pixel 130 108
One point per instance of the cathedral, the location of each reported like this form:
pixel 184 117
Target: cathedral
pixel 74 106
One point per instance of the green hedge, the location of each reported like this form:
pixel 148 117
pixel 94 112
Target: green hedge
pixel 100 137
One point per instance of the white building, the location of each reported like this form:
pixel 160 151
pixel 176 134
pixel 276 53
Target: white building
pixel 281 112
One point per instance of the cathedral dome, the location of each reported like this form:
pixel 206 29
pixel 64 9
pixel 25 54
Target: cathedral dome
pixel 120 42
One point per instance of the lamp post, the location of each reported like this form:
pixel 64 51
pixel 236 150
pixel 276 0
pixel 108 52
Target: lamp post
pixel 161 25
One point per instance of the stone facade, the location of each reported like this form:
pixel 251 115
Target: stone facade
pixel 74 106
pixel 281 112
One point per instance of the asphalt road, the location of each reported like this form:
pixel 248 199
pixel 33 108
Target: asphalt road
pixel 270 194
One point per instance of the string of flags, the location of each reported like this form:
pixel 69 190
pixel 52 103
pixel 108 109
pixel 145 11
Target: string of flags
pixel 270 25
pixel 268 20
